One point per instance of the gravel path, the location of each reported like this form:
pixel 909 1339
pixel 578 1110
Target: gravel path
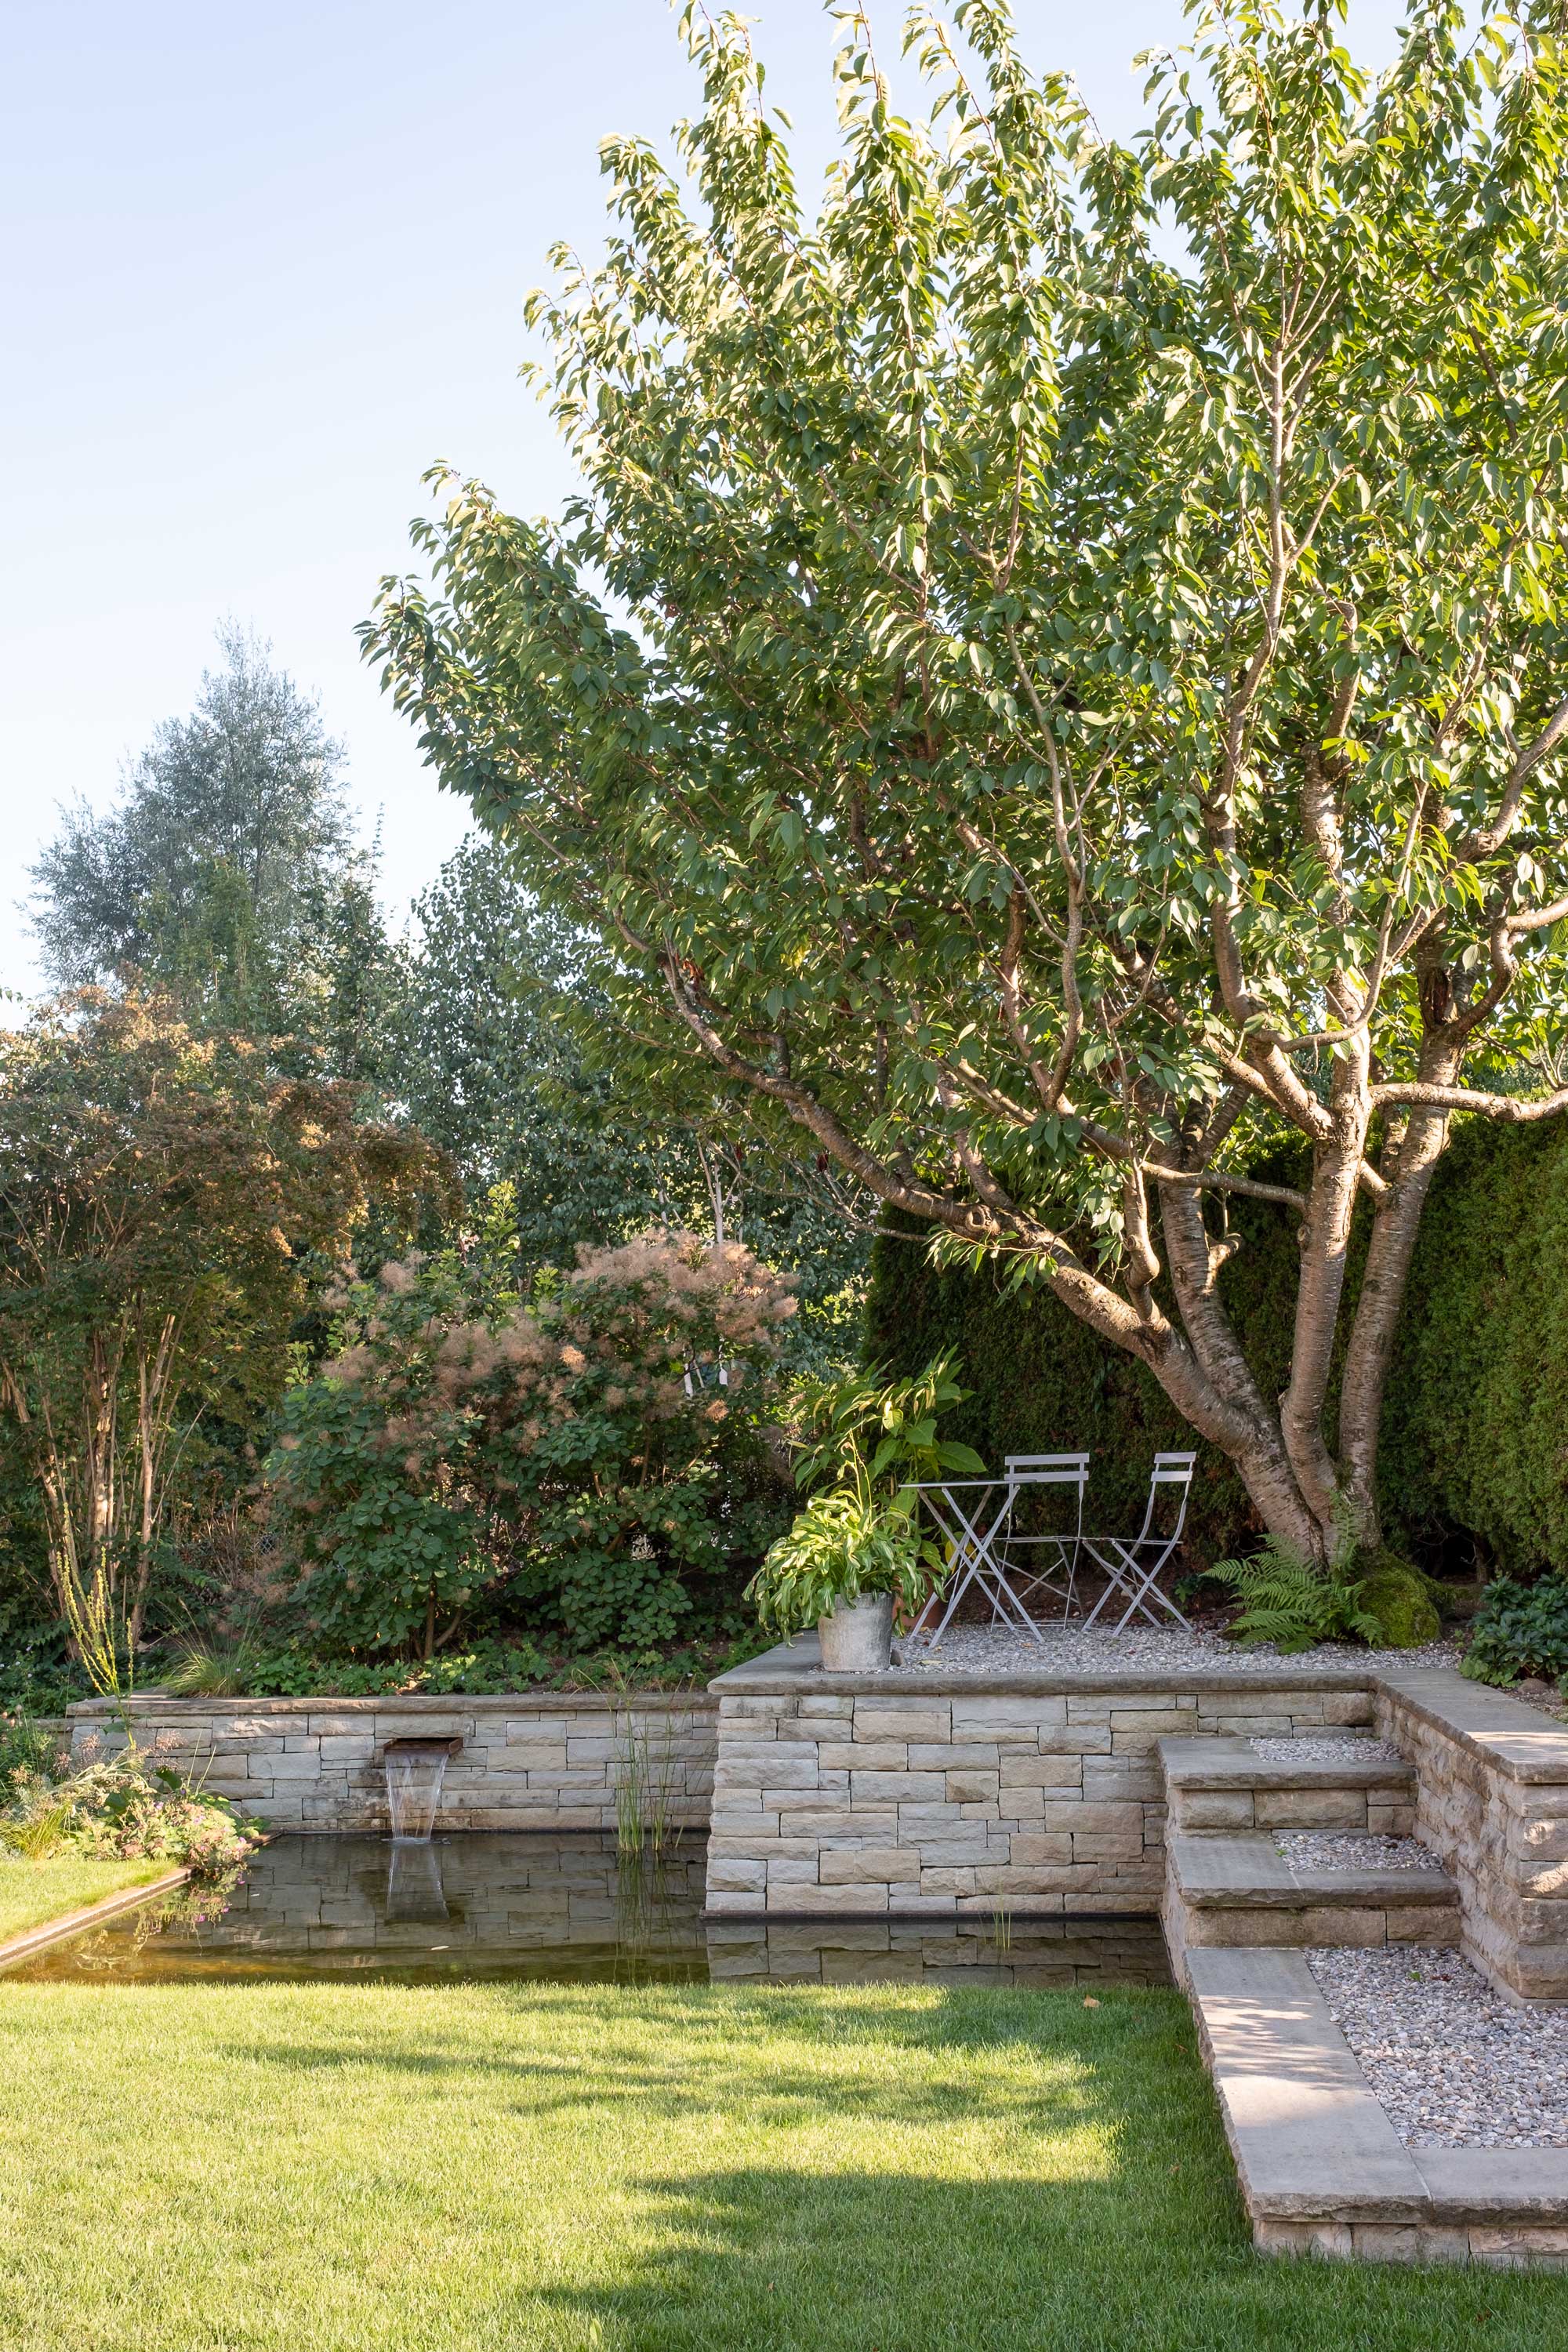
pixel 1354 1850
pixel 1327 1748
pixel 1141 1649
pixel 1454 2063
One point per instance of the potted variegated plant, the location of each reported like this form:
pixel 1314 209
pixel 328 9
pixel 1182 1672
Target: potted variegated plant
pixel 854 1555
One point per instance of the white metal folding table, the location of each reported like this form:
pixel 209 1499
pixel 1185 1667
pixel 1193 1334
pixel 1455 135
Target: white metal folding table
pixel 971 1516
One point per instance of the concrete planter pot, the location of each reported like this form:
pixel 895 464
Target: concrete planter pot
pixel 858 1637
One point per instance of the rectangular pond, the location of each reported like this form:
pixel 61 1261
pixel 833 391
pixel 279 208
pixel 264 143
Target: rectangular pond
pixel 553 1909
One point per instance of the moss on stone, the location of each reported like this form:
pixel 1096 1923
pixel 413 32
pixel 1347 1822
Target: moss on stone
pixel 1400 1597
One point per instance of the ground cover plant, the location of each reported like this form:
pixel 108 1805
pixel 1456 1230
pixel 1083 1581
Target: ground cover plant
pixel 1519 1629
pixel 372 2168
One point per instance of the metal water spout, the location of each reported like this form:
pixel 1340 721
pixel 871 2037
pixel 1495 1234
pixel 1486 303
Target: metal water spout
pixel 415 1772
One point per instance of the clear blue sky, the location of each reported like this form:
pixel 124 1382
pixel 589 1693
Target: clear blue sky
pixel 261 268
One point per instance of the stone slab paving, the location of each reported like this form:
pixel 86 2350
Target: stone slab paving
pixel 1244 1890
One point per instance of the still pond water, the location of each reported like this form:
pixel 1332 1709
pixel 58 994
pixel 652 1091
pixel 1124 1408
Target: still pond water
pixel 554 1909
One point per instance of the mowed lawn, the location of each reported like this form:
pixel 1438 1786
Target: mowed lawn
pixel 882 2170
pixel 32 1893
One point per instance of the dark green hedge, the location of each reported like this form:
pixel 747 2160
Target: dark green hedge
pixel 1475 1428
pixel 1475 1443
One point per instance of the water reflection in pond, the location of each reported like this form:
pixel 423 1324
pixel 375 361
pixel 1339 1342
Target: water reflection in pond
pixel 560 1909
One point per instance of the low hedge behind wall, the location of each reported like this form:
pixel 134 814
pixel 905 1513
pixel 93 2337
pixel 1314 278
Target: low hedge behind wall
pixel 1475 1437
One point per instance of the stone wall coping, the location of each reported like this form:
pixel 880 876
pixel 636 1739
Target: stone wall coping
pixel 794 1667
pixel 1309 2140
pixel 1516 1740
pixel 1529 2183
pixel 157 1706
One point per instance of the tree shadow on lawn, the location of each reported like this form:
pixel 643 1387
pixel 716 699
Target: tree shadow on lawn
pixel 1132 2241
pixel 768 2259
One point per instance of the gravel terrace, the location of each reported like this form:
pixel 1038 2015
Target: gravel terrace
pixel 1326 1747
pixel 1454 2063
pixel 1141 1649
pixel 1352 1850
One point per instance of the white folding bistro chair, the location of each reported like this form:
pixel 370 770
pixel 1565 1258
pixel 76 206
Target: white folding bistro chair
pixel 1132 1566
pixel 1055 1574
pixel 972 1525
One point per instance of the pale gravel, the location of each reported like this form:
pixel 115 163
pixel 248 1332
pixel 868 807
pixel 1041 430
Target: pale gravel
pixel 1141 1649
pixel 1454 2063
pixel 1354 1850
pixel 1326 1747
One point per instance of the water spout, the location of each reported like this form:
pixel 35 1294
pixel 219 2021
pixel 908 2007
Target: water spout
pixel 415 1772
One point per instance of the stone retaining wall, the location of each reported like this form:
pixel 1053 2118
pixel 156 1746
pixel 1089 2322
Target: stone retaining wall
pixel 1492 1805
pixel 545 1760
pixel 906 1795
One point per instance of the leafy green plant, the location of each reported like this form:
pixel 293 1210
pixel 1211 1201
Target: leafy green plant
pixel 1101 722
pixel 26 1749
pixel 1518 1629
pixel 1292 1603
pixel 877 1422
pixel 841 1546
pixel 129 1805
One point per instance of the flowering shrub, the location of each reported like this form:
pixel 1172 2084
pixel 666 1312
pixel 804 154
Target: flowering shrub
pixel 584 1456
pixel 129 1806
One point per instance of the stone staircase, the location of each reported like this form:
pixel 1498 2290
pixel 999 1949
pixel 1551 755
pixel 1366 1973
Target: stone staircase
pixel 1230 1880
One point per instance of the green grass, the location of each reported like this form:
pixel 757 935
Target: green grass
pixel 891 2169
pixel 33 1893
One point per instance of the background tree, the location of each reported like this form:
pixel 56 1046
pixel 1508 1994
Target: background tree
pixel 227 872
pixel 498 1051
pixel 1094 674
pixel 161 1192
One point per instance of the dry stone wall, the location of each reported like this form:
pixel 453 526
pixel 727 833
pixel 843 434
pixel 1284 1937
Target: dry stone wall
pixel 550 1761
pixel 1492 1805
pixel 885 1795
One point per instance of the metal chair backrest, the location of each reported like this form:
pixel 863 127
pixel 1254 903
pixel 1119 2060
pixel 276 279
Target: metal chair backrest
pixel 1048 1469
pixel 1170 1470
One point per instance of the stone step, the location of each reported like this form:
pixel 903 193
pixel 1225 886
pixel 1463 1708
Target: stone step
pixel 1224 1785
pixel 1242 1891
pixel 1322 2168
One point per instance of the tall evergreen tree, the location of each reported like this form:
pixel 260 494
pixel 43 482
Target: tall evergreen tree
pixel 227 871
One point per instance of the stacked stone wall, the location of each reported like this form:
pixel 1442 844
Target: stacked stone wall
pixel 552 1761
pixel 1492 1805
pixel 927 1803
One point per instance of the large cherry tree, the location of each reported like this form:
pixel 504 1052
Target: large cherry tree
pixel 1056 676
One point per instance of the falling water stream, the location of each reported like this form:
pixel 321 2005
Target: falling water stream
pixel 415 1772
